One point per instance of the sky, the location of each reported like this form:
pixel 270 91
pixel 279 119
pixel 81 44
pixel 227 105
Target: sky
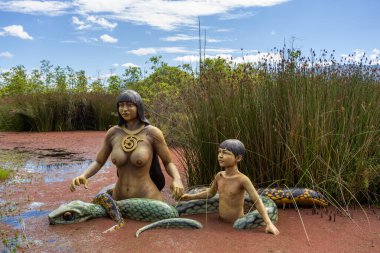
pixel 105 37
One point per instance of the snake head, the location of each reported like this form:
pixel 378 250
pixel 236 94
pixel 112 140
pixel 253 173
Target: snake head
pixel 73 212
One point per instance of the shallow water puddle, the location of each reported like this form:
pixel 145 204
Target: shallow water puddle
pixel 56 172
pixel 50 164
pixel 17 221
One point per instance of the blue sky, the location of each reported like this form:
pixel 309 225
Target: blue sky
pixel 106 36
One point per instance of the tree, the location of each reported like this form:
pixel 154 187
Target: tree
pixel 97 86
pixel 15 81
pixel 47 75
pixel 35 83
pixel 131 75
pixel 81 81
pixel 60 79
pixel 71 78
pixel 114 84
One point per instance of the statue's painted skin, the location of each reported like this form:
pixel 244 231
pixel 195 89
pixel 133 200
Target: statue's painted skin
pixel 231 185
pixel 133 167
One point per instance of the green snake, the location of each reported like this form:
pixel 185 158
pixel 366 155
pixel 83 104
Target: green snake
pixel 165 215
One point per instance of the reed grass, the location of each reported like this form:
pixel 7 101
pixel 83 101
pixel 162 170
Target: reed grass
pixel 303 125
pixel 55 111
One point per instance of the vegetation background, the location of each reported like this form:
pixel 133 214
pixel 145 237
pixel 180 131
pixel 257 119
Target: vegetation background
pixel 305 121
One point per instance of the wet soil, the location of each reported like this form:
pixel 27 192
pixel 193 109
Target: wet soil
pixel 36 189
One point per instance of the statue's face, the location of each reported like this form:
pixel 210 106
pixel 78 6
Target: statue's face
pixel 128 111
pixel 226 158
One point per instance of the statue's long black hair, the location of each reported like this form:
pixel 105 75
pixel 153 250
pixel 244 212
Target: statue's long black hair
pixel 132 96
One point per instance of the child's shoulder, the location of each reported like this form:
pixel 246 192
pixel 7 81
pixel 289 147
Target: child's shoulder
pixel 219 174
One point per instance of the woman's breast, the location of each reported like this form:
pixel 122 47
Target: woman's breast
pixel 139 157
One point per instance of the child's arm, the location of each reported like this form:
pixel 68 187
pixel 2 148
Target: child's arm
pixel 208 193
pixel 270 228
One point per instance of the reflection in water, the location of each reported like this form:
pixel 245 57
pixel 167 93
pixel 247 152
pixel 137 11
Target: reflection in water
pixel 56 172
pixel 39 162
pixel 16 221
pixel 51 172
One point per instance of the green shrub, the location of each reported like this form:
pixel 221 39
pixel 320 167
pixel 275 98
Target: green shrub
pixel 4 174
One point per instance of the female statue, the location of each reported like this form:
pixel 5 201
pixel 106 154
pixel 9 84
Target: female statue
pixel 134 146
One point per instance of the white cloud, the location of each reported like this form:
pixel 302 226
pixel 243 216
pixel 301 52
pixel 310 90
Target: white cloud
pixel 92 21
pixel 359 55
pixel 152 50
pixel 178 50
pixel 68 41
pixel 187 59
pixel 163 14
pixel 173 50
pixel 6 54
pixel 80 24
pixel 102 22
pixel 166 15
pixel 376 51
pixel 16 31
pixel 213 40
pixel 143 51
pixel 195 58
pixel 273 32
pixel 240 15
pixel 221 50
pixel 180 37
pixel 108 39
pixel 49 8
pixel 375 56
pixel 87 40
pixel 252 58
pixel 129 65
pixel 259 57
pixel 184 37
pixel 222 30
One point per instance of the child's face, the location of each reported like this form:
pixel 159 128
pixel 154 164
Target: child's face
pixel 226 158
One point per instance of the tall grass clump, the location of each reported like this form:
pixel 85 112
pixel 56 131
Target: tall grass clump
pixel 60 99
pixel 307 123
pixel 56 111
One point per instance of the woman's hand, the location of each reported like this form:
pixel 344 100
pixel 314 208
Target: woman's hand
pixel 78 181
pixel 177 189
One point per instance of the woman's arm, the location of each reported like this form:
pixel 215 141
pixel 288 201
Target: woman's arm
pixel 95 166
pixel 162 150
pixel 208 193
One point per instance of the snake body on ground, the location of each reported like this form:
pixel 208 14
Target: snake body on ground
pixel 165 215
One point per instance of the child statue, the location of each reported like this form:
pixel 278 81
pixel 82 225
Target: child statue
pixel 231 185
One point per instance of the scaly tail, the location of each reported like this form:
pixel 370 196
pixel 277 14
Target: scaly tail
pixel 253 219
pixel 109 204
pixel 171 223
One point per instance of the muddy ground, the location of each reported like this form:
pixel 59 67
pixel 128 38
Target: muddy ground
pixel 45 163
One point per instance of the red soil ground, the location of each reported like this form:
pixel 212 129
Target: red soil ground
pixel 314 233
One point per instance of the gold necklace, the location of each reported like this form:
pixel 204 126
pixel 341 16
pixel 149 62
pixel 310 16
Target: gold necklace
pixel 130 141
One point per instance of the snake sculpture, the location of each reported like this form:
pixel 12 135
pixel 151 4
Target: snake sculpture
pixel 167 216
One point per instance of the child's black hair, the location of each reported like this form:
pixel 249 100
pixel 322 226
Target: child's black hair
pixel 233 145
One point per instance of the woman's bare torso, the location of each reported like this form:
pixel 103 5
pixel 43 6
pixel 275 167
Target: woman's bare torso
pixel 133 167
